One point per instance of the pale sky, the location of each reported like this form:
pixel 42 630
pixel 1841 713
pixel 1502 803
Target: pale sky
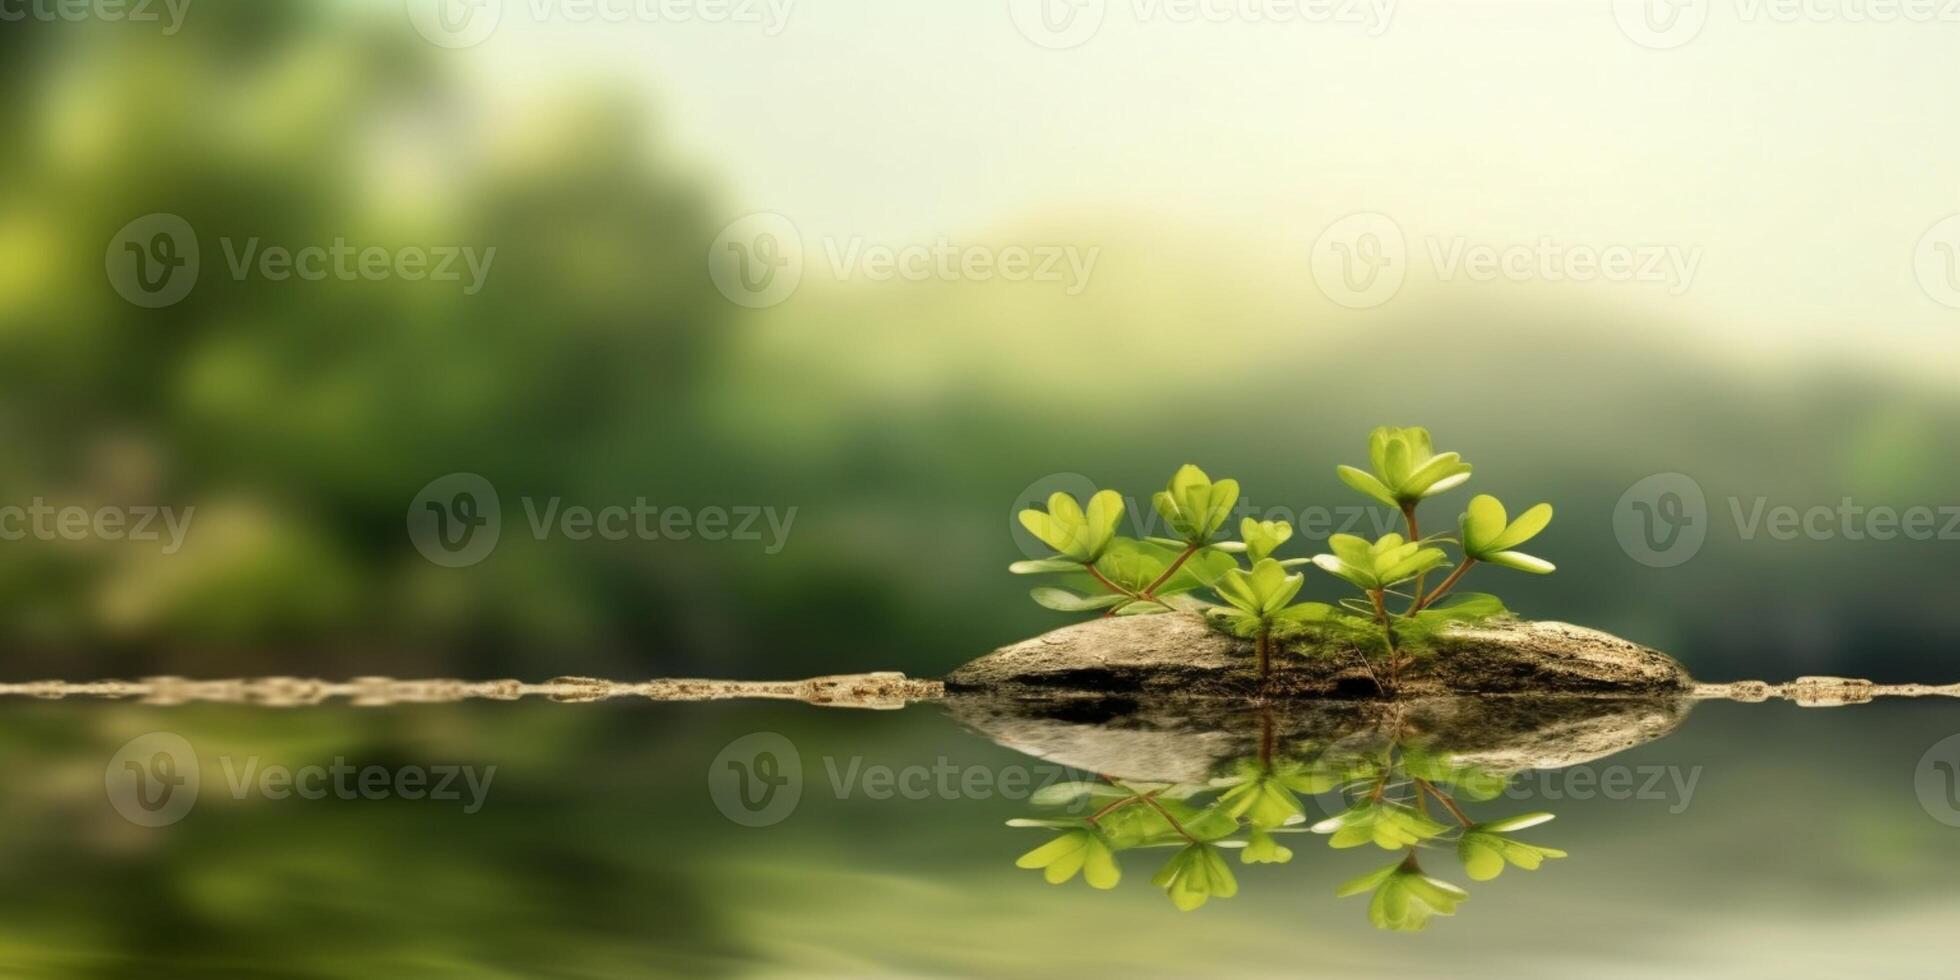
pixel 1802 162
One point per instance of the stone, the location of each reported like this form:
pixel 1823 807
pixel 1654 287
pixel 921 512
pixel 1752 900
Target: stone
pixel 1180 654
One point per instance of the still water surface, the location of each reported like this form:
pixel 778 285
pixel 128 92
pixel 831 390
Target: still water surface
pixel 625 838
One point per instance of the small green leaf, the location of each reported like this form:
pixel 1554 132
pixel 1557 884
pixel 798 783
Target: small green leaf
pixel 1194 506
pixel 1063 600
pixel 1062 793
pixel 1262 848
pixel 1406 468
pixel 1305 612
pixel 1482 523
pixel 1333 565
pixel 1360 480
pixel 1194 875
pixel 1364 883
pixel 1353 550
pixel 1071 532
pixel 1262 537
pixel 1055 824
pixel 1405 899
pixel 1484 853
pixel 1522 562
pixel 1481 860
pixel 1524 528
pixel 1080 850
pixel 1487 537
pixel 1521 822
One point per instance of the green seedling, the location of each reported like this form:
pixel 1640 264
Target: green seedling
pixel 1251 589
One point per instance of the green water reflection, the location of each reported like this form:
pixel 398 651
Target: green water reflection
pixel 1798 845
pixel 1382 797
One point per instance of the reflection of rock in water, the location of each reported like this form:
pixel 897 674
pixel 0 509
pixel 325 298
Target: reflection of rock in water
pixel 882 689
pixel 1188 740
pixel 1824 692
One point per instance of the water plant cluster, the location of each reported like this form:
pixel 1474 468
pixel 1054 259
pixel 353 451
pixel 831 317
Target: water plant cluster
pixel 1381 797
pixel 1253 590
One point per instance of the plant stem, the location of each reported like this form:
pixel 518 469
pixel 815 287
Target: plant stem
pixel 1159 807
pixel 1442 589
pixel 1445 799
pixel 1111 808
pixel 1149 591
pixel 1409 514
pixel 1381 785
pixel 1370 668
pixel 1265 652
pixel 1388 636
pixel 1111 586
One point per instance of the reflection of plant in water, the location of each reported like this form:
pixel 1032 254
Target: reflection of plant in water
pixel 1126 577
pixel 1387 795
pixel 1390 796
pixel 1133 816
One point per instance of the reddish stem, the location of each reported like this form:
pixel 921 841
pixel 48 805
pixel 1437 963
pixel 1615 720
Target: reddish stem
pixel 1442 589
pixel 1111 586
pixel 1388 636
pixel 1149 591
pixel 1409 514
pixel 1444 798
pixel 1159 807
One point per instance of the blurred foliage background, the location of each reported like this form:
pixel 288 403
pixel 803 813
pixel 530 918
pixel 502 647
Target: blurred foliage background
pixel 905 421
pixel 901 419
